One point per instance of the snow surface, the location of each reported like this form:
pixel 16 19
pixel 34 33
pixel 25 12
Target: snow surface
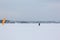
pixel 30 32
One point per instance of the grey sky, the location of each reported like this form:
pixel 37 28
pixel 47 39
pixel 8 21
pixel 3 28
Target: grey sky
pixel 33 10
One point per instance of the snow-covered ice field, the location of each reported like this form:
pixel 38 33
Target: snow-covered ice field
pixel 30 32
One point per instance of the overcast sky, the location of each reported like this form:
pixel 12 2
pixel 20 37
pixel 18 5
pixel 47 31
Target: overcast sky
pixel 33 10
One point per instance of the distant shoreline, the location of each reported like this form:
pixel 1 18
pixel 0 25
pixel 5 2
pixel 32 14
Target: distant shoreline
pixel 8 21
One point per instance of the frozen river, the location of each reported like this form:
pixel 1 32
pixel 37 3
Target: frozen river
pixel 30 32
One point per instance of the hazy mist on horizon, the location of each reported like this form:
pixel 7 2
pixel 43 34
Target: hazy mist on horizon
pixel 30 10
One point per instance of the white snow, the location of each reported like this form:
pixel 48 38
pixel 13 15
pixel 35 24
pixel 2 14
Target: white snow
pixel 30 32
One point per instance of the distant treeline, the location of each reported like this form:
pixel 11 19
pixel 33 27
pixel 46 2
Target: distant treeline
pixel 7 21
pixel 10 21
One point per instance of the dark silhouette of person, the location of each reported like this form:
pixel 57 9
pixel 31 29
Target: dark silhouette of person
pixel 39 24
